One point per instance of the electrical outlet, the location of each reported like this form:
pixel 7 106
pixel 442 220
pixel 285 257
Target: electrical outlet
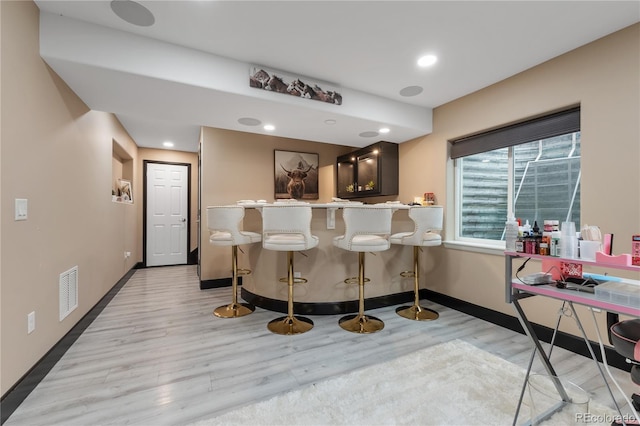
pixel 297 275
pixel 31 322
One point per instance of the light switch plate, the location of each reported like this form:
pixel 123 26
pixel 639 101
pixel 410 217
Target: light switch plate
pixel 21 209
pixel 31 322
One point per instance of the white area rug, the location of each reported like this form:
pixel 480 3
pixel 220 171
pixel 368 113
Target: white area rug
pixel 452 383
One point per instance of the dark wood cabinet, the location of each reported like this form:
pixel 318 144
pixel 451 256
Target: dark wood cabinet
pixel 368 172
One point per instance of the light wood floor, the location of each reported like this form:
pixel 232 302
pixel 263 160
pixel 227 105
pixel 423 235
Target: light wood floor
pixel 156 355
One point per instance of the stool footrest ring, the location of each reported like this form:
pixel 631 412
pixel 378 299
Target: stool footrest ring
pixel 354 280
pixel 244 271
pixel 296 280
pixel 408 274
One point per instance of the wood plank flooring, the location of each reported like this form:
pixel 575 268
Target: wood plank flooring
pixel 157 356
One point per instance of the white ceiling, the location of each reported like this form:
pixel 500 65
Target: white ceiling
pixel 191 67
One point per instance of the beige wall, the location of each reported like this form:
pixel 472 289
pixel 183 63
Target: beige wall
pixel 2 388
pixel 238 166
pixel 603 77
pixel 58 154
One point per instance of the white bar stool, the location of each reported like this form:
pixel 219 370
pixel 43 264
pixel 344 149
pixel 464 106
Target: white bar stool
pixel 427 223
pixel 288 228
pixel 224 223
pixel 367 229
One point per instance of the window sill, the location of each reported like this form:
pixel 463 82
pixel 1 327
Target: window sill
pixel 496 250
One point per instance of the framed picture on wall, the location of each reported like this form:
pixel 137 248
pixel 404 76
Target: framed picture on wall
pixel 296 175
pixel 125 191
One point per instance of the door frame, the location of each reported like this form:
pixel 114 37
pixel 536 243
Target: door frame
pixel 145 163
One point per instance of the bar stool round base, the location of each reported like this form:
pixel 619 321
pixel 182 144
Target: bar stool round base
pixel 234 310
pixel 362 324
pixel 290 325
pixel 417 313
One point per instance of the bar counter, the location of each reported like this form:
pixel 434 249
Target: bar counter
pixel 326 267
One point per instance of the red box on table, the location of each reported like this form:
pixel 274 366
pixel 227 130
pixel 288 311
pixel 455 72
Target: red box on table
pixel 571 269
pixel 635 250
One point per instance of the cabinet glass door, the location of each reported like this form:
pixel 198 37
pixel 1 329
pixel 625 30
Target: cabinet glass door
pixel 368 172
pixel 346 177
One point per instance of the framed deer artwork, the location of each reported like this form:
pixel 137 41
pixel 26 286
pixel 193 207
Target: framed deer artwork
pixel 296 175
pixel 124 191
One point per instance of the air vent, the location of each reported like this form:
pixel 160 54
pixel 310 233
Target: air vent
pixel 68 292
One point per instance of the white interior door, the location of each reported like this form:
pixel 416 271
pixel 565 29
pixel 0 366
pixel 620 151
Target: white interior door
pixel 167 214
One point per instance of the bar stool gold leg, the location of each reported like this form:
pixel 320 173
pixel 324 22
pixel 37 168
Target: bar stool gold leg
pixel 235 309
pixel 361 323
pixel 416 312
pixel 290 324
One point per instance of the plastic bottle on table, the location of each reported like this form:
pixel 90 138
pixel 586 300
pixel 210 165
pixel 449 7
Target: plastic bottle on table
pixel 511 233
pixel 568 240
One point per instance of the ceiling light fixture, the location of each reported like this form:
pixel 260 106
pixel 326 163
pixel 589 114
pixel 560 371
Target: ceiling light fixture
pixel 368 134
pixel 427 60
pixel 384 130
pixel 269 127
pixel 330 122
pixel 132 12
pixel 168 144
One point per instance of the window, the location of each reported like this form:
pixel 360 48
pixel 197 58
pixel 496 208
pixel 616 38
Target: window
pixel 531 168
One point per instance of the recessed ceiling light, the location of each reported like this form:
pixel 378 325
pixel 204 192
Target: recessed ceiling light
pixel 132 12
pixel 368 134
pixel 427 60
pixel 269 127
pixel 384 130
pixel 167 144
pixel 248 121
pixel 411 91
pixel 330 122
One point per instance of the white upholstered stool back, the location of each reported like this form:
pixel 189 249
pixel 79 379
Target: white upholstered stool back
pixel 287 227
pixel 367 229
pixel 225 229
pixel 427 225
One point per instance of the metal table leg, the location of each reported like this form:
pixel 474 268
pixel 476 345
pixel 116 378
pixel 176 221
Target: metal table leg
pixel 528 328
